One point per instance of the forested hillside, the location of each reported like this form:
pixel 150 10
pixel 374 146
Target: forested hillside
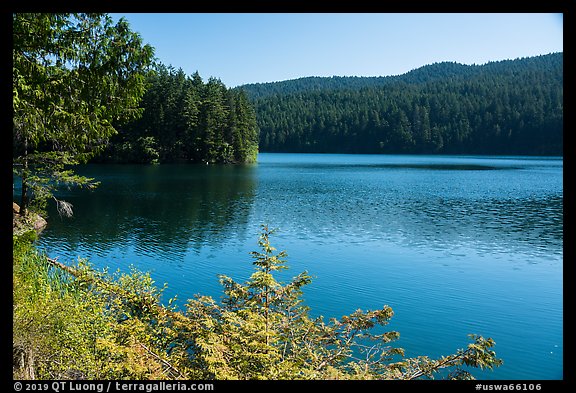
pixel 505 107
pixel 187 120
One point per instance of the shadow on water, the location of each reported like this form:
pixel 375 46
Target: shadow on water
pixel 439 167
pixel 165 210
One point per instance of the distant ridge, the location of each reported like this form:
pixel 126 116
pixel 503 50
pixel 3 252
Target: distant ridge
pixel 422 74
pixel 501 107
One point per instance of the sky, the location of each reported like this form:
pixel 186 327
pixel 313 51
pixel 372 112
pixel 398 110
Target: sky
pixel 241 48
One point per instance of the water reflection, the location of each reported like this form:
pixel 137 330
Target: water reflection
pixel 165 210
pixel 169 210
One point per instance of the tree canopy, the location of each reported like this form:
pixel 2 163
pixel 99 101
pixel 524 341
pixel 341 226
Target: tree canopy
pixel 74 77
pixel 187 120
pixel 505 107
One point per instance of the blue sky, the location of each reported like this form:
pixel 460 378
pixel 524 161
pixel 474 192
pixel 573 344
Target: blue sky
pixel 266 47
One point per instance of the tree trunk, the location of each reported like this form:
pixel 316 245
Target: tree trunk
pixel 24 197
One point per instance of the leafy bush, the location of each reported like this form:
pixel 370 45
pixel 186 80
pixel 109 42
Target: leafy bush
pixel 79 323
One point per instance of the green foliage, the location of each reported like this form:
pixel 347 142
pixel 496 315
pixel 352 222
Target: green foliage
pixel 68 327
pixel 72 322
pixel 73 76
pixel 187 120
pixel 507 107
pixel 45 172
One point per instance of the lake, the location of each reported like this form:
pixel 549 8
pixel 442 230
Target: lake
pixel 454 244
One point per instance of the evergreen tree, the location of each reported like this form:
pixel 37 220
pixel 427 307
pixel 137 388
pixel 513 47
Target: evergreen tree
pixel 187 120
pixel 74 75
pixel 507 107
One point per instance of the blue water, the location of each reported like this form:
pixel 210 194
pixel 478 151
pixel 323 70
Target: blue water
pixel 455 245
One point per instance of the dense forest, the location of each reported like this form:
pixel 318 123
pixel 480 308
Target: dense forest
pixel 187 120
pixel 504 107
